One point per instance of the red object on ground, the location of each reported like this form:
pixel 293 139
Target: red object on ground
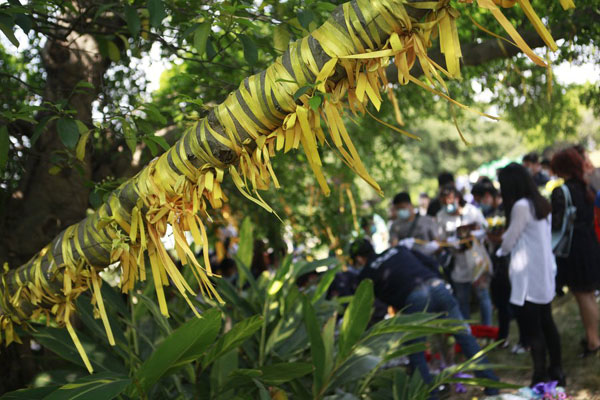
pixel 482 332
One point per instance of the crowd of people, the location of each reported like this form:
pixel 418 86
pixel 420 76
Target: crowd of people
pixel 514 244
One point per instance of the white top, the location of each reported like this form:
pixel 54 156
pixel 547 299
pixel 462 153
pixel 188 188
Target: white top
pixel 448 223
pixel 532 266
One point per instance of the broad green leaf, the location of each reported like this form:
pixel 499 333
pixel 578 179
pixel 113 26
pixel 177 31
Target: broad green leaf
pixel 303 267
pixel 314 102
pixel 406 350
pixel 328 343
pixel 356 317
pixel 234 338
pixel 130 137
pixel 156 9
pixel 151 145
pixel 133 20
pixel 200 37
pixel 211 52
pixel 246 247
pixel 84 84
pixel 28 394
pixel 184 345
pixel 4 146
pixel 68 131
pixel 80 151
pixel 154 113
pixel 59 341
pixel 281 38
pixel 39 128
pixel 276 374
pixel 324 284
pixel 262 391
pixel 102 386
pixel 160 141
pixel 250 49
pixel 305 17
pixel 301 91
pixel 317 347
pixel 24 21
pixel 9 34
pixel 113 51
pixel 221 369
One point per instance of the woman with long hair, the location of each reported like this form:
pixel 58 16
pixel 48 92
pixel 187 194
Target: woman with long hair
pixel 580 270
pixel 532 268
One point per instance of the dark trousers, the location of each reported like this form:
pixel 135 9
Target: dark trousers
pixel 500 291
pixel 542 335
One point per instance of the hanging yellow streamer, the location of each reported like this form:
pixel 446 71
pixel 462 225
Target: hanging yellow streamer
pixel 181 188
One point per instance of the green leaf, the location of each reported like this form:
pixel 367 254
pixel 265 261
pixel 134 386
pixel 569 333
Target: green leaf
pixel 184 345
pixel 4 146
pixel 133 20
pixel 250 49
pixel 59 341
pixel 102 386
pixel 200 37
pixel 9 34
pixel 232 339
pixel 156 9
pixel 113 51
pixel 85 84
pixel 317 347
pixel 95 199
pixel 160 141
pixel 154 114
pixel 68 132
pixel 151 145
pixel 39 128
pixel 246 247
pixel 276 374
pixel 281 38
pixel 28 394
pixel 24 21
pixel 301 91
pixel 324 284
pixel 356 317
pixel 329 342
pixel 314 102
pixel 305 17
pixel 210 50
pixel 130 137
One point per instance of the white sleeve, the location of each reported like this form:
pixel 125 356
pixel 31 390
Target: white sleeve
pixel 519 217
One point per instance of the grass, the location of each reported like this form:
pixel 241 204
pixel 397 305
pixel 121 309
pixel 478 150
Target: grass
pixel 583 375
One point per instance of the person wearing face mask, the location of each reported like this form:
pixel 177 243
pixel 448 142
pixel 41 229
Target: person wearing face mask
pixel 410 225
pixel 531 161
pixel 484 194
pixel 457 216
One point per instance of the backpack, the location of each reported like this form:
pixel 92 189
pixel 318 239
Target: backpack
pixel 561 241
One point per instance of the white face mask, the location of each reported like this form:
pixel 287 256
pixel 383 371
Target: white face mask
pixel 450 208
pixel 404 213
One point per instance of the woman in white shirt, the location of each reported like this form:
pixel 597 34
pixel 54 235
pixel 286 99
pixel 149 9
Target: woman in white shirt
pixel 532 269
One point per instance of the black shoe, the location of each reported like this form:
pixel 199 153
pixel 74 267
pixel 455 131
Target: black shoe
pixel 557 374
pixel 538 378
pixel 587 352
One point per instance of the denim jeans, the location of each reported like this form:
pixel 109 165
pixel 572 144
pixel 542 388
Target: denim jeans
pixel 437 299
pixel 463 295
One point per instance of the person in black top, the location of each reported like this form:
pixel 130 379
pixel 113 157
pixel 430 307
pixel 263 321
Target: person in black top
pixel 409 281
pixel 580 270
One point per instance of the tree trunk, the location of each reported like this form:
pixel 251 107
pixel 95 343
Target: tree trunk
pixel 45 204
